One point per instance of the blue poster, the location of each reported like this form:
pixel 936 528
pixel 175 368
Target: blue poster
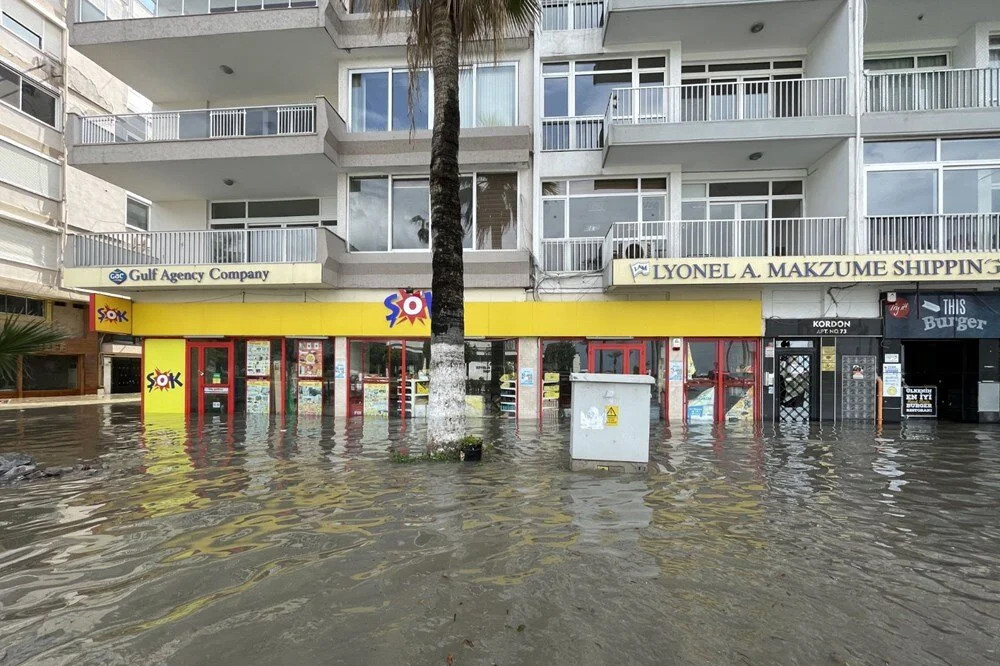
pixel 527 377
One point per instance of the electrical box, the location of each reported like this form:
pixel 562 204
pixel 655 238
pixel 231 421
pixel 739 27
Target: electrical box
pixel 610 420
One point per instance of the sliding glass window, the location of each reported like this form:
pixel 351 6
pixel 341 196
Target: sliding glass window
pixel 393 213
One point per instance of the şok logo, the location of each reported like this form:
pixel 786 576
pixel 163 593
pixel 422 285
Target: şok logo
pixel 411 305
pixel 162 381
pixel 111 315
pixel 117 276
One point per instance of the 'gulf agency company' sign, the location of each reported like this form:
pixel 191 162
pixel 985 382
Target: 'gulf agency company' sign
pixel 764 270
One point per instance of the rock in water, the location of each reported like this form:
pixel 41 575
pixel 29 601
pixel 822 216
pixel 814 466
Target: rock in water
pixel 15 465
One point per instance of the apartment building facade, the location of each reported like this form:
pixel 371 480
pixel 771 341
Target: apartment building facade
pixel 753 202
pixel 42 199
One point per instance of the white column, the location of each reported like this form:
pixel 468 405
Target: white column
pixel 341 384
pixel 529 378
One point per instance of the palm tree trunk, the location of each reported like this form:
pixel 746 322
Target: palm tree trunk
pixel 446 408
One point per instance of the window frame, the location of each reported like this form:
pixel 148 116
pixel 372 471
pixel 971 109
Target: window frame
pixel 390 70
pixel 768 198
pixel 571 73
pixel 773 73
pixel 4 17
pixel 247 222
pixel 142 201
pixel 938 165
pixel 914 56
pixel 639 194
pixel 993 47
pixel 390 178
pixel 44 87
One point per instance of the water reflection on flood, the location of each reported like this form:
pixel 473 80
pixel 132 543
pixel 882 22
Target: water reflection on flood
pixel 300 543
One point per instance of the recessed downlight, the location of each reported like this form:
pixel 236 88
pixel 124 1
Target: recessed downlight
pixel 757 27
pixel 753 157
pixel 226 69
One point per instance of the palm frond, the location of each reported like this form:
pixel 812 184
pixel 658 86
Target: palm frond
pixel 481 26
pixel 19 337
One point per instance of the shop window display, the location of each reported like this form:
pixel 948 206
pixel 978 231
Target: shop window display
pixel 559 359
pixel 308 376
pixel 50 373
pixel 721 381
pixel 491 377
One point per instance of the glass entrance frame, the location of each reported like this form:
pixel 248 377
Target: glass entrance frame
pixel 212 365
pixel 722 380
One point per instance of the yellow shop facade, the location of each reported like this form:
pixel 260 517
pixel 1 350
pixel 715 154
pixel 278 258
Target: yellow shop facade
pixel 364 353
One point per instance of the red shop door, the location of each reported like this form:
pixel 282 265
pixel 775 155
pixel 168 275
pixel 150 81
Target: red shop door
pixel 211 366
pixel 621 358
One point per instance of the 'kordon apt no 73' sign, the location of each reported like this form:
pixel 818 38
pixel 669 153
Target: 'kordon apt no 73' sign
pixel 943 315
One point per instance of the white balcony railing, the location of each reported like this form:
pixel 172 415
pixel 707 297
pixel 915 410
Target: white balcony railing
pixel 951 232
pixel 800 236
pixel 572 255
pixel 199 124
pixel 933 91
pixel 572 14
pixel 114 10
pixel 585 133
pixel 190 248
pixel 747 100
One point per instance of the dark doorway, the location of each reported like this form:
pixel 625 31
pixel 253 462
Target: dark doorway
pixel 950 365
pixel 125 372
pixel 796 385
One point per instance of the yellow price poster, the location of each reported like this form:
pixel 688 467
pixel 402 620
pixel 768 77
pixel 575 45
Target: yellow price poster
pixel 611 415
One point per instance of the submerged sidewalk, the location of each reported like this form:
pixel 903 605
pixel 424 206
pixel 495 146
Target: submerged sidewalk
pixel 69 401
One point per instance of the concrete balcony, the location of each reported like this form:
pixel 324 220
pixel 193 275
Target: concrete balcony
pixel 269 151
pixel 925 102
pixel 489 147
pixel 677 239
pixel 173 51
pixel 128 261
pixel 306 258
pixel 720 25
pixel 776 124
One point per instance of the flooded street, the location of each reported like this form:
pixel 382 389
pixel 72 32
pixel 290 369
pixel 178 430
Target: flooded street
pixel 301 543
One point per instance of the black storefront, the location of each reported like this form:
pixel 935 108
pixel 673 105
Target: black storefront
pixel 821 369
pixel 945 345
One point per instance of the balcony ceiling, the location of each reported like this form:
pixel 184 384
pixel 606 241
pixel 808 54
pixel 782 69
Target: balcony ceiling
pixel 798 153
pixel 294 65
pixel 723 27
pixel 898 20
pixel 254 177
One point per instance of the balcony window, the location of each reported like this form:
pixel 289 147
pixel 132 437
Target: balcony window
pixel 738 90
pixel 575 96
pixel 487 97
pixel 136 214
pixel 393 212
pixel 731 218
pixel 27 96
pixel 380 101
pixel 588 208
pixel 272 213
pixel 903 63
pixel 994 59
pixel 939 195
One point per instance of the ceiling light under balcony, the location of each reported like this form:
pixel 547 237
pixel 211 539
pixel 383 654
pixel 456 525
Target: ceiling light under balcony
pixel 226 69
pixel 757 27
pixel 753 157
pixel 228 182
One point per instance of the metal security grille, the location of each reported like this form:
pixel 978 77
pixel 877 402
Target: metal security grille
pixel 795 371
pixel 858 392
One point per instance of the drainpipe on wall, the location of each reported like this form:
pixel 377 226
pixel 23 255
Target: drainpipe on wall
pixel 63 208
pixel 857 44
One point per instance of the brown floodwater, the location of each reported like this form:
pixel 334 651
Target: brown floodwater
pixel 301 543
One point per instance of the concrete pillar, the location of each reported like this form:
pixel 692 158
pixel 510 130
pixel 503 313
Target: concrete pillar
pixel 341 385
pixel 529 378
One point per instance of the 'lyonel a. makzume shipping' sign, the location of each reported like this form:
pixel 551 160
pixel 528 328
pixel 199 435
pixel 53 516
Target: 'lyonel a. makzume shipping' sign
pixel 860 268
pixel 943 315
